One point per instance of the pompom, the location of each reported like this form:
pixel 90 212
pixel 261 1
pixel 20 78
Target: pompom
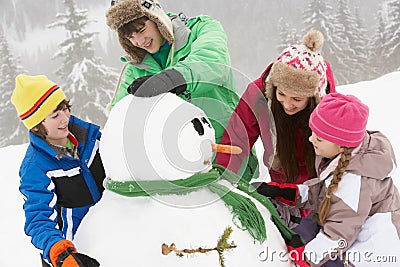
pixel 314 40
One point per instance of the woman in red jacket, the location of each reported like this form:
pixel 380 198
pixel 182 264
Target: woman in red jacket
pixel 276 107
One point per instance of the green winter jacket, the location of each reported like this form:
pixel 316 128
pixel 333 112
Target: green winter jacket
pixel 201 55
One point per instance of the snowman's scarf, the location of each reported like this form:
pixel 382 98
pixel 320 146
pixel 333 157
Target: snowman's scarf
pixel 242 207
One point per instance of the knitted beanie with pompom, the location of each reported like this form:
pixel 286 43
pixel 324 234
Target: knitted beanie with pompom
pixel 300 69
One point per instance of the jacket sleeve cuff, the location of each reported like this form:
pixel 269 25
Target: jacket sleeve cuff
pixel 303 193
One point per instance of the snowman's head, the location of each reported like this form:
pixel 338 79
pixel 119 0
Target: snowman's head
pixel 162 137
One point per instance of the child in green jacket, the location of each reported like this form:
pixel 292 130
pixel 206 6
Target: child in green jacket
pixel 173 53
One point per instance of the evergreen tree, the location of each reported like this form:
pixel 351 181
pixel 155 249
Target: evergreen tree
pixel 83 76
pixel 392 30
pixel 352 44
pixel 12 131
pixel 363 50
pixel 377 46
pixel 287 36
pixel 319 16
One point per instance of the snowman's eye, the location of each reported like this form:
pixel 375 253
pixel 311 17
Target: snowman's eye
pixel 205 121
pixel 198 126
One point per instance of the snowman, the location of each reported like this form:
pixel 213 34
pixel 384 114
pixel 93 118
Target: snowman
pixel 165 203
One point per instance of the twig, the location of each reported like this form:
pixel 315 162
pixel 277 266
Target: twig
pixel 222 246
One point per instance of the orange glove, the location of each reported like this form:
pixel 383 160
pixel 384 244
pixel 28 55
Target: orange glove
pixel 63 254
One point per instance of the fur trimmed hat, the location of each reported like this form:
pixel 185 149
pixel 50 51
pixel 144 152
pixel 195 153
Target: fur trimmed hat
pixel 300 69
pixel 34 98
pixel 122 12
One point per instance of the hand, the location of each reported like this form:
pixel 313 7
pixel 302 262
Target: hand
pixel 286 193
pixel 152 85
pixel 63 254
pixel 137 83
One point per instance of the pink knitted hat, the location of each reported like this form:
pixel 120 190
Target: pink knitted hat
pixel 340 119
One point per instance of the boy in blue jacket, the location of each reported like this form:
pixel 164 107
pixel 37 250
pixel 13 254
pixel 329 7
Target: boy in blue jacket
pixel 62 172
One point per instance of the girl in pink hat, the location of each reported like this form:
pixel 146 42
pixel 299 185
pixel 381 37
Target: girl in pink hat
pixel 354 196
pixel 276 108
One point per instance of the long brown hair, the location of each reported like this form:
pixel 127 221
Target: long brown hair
pixel 287 128
pixel 325 206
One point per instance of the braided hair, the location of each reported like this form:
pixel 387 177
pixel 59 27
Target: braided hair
pixel 325 206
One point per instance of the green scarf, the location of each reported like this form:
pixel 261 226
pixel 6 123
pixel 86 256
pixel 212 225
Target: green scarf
pixel 241 207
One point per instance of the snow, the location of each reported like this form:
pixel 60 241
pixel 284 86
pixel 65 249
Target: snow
pixel 142 224
pixel 145 124
pixel 381 95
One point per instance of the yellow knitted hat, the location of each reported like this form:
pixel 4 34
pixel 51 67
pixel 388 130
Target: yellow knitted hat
pixel 34 98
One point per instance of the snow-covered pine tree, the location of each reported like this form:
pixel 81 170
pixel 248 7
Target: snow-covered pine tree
pixel 392 30
pixel 363 51
pixel 319 16
pixel 83 76
pixel 12 131
pixel 377 46
pixel 287 35
pixel 352 44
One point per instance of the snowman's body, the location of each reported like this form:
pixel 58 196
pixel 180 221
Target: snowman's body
pixel 134 146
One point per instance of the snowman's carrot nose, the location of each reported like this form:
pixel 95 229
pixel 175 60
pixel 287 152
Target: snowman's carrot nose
pixel 226 149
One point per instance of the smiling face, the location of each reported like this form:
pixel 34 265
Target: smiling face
pixel 56 125
pixel 323 147
pixel 147 37
pixel 291 103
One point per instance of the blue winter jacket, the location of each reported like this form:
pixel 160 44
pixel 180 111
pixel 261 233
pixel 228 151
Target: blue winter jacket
pixel 59 190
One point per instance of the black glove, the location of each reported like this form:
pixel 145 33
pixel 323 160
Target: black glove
pixel 137 83
pixel 286 193
pixel 152 85
pixel 80 259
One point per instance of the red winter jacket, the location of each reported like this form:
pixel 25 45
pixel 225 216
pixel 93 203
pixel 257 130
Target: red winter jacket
pixel 251 120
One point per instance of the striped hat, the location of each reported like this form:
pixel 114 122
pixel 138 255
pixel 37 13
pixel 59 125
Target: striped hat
pixel 34 98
